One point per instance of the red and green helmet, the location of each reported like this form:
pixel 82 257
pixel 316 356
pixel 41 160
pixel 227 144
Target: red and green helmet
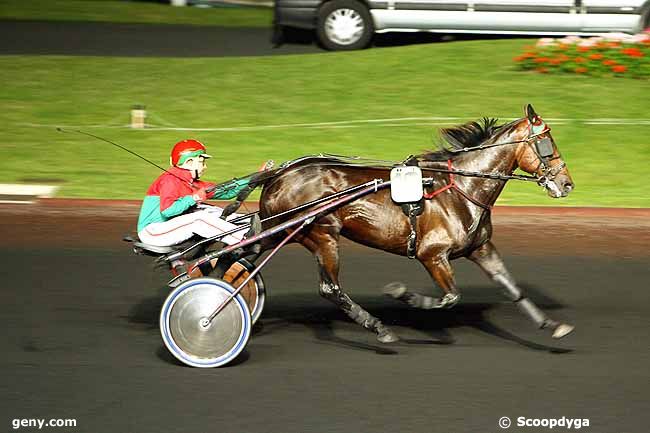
pixel 185 149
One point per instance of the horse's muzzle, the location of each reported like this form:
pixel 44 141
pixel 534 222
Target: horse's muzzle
pixel 562 186
pixel 567 187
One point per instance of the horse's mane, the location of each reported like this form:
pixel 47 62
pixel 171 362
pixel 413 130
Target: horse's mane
pixel 467 135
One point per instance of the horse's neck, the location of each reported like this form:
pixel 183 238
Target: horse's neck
pixel 495 160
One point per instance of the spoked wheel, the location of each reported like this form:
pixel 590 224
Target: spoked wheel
pixel 254 292
pixel 189 334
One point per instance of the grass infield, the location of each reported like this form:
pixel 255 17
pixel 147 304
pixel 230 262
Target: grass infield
pixel 462 79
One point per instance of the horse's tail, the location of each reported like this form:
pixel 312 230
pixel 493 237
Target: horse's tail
pixel 262 178
pixel 254 180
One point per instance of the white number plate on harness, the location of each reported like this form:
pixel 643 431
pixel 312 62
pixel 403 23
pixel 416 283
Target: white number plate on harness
pixel 406 184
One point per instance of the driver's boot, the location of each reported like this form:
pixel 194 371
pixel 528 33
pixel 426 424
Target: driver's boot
pixel 255 229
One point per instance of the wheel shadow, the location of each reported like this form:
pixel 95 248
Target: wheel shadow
pixel 146 312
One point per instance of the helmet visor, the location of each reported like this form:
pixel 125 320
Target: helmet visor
pixel 192 154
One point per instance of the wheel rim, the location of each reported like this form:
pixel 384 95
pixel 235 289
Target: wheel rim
pixel 344 26
pixel 190 342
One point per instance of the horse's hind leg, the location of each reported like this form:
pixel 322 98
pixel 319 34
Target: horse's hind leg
pixel 442 273
pixel 488 259
pixel 326 250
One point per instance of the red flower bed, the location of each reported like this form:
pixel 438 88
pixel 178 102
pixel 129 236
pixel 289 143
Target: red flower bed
pixel 616 55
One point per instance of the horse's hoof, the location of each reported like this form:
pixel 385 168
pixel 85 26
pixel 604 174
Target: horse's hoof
pixel 395 290
pixel 387 337
pixel 449 300
pixel 562 330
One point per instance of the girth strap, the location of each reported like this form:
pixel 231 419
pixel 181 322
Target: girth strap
pixel 412 210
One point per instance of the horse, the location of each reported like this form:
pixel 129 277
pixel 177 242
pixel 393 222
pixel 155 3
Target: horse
pixel 455 220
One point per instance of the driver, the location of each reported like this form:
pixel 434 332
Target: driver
pixel 169 213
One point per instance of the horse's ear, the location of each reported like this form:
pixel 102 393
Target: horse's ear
pixel 530 112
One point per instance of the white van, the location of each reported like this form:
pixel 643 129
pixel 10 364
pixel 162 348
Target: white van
pixel 350 24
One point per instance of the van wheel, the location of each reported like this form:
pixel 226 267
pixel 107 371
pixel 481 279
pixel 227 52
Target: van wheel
pixel 344 25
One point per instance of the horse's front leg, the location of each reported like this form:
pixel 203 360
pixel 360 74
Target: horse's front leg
pixel 488 259
pixel 442 273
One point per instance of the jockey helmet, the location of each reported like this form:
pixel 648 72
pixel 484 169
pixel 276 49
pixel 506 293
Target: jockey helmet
pixel 185 149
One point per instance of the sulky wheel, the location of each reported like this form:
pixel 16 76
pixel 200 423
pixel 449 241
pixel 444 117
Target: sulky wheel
pixel 191 337
pixel 254 292
pixel 344 25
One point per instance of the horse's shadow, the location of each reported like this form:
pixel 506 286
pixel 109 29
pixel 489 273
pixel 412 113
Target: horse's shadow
pixel 321 319
pixel 316 314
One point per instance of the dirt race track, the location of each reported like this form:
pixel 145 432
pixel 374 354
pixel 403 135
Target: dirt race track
pixel 79 314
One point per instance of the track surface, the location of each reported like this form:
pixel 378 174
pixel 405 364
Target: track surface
pixel 79 315
pixel 141 40
pixel 159 40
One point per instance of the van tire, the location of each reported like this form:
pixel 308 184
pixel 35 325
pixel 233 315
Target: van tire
pixel 344 25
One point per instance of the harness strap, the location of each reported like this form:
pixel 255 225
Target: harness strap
pixel 411 245
pixel 452 185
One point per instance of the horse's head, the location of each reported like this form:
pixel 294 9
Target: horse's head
pixel 538 154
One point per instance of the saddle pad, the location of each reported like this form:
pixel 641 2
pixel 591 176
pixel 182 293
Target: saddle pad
pixel 406 184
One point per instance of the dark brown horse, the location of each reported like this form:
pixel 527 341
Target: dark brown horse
pixel 454 223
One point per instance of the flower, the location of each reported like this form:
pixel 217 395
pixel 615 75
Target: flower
pixel 608 54
pixel 618 37
pixel 632 52
pixel 570 40
pixel 589 43
pixel 546 42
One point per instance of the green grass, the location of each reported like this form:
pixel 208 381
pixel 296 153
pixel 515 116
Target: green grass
pixel 117 11
pixel 465 79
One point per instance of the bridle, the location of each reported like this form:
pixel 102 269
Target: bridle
pixel 544 149
pixel 541 144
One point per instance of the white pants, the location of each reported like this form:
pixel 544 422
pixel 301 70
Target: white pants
pixel 205 223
